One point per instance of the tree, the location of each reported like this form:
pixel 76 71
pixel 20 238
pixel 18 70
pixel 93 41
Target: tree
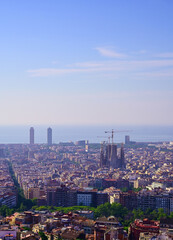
pixel 43 236
pixel 118 210
pixel 154 215
pixel 22 207
pixel 6 211
pixel 103 210
pixel 138 214
pixel 171 215
pixel 161 214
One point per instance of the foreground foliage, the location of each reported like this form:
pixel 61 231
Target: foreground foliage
pixel 115 209
pixel 124 215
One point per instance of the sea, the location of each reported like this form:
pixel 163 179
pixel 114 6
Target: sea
pixel 94 134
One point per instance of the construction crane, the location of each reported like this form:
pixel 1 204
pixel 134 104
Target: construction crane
pixel 115 131
pixel 105 137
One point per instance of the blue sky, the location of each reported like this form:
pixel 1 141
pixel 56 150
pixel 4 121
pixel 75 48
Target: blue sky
pixel 86 62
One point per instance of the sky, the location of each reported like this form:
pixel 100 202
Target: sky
pixel 91 62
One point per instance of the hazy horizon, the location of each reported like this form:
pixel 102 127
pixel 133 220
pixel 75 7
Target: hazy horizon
pixel 20 134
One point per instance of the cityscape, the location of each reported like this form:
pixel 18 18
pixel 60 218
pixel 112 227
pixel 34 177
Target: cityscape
pixel 68 188
pixel 86 120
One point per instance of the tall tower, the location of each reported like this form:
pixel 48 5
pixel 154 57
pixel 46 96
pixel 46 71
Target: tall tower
pixel 122 163
pixel 108 148
pixel 31 136
pixel 101 157
pixel 49 136
pixel 113 157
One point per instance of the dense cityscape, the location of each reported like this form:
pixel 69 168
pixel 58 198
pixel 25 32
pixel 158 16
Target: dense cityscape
pixel 86 190
pixel 86 120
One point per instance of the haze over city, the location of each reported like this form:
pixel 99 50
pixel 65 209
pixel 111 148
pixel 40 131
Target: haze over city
pixel 86 62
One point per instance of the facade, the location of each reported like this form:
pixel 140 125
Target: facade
pixel 163 202
pixel 35 192
pixel 57 196
pixel 87 198
pixel 128 200
pixel 127 139
pixel 8 199
pixel 71 197
pixel 31 136
pixel 49 136
pixel 65 197
pixel 147 200
pixel 102 198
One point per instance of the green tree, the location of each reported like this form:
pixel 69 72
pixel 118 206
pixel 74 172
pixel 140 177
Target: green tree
pixel 154 215
pixel 22 207
pixel 161 214
pixel 171 216
pixel 103 210
pixel 118 210
pixel 138 213
pixel 43 236
pixel 6 211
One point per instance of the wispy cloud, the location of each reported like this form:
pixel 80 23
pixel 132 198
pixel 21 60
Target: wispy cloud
pixel 158 67
pixel 46 72
pixel 109 52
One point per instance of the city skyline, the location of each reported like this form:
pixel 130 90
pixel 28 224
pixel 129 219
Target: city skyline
pixel 86 63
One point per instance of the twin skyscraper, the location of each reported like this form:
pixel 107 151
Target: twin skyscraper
pixel 32 138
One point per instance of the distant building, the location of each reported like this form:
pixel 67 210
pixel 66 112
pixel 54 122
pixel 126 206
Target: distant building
pixel 57 196
pixel 31 137
pixel 102 198
pixel 49 136
pixel 80 143
pixel 9 199
pixel 128 200
pixel 110 158
pixel 2 152
pixel 113 157
pixel 117 183
pixel 109 229
pixel 86 146
pixel 139 226
pixel 127 139
pixel 63 196
pixel 87 198
pixel 102 157
pixel 8 232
